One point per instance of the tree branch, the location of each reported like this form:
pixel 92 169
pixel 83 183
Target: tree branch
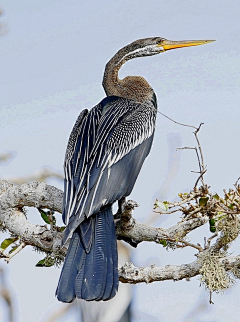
pixel 40 195
pixel 140 232
pixel 12 216
pixel 13 199
pixel 129 273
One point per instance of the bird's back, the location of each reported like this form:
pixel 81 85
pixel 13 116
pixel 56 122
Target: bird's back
pixel 107 148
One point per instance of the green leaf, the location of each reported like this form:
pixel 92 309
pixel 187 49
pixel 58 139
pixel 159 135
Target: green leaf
pixel 62 228
pixel 13 249
pixel 8 242
pixel 223 216
pixel 163 242
pixel 216 196
pixel 46 262
pixel 161 205
pixel 44 216
pixel 166 205
pixel 203 201
pixel 41 263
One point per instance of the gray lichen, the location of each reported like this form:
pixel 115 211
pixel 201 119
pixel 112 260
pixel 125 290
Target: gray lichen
pixel 230 228
pixel 214 276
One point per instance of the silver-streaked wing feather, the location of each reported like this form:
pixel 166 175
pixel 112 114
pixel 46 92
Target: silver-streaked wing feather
pixel 80 142
pixel 120 128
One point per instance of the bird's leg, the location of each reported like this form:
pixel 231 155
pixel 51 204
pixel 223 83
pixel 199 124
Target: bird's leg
pixel 121 202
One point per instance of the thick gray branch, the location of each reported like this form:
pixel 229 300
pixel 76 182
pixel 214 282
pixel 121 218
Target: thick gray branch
pixel 129 273
pixel 33 194
pixel 140 232
pixel 12 216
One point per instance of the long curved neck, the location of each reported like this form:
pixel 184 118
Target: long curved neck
pixel 132 87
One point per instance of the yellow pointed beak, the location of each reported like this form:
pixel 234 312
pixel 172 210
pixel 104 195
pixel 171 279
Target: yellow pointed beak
pixel 169 44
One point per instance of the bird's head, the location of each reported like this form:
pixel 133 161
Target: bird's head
pixel 136 87
pixel 157 45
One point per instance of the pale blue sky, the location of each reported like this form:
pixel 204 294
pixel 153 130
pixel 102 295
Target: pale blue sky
pixel 52 61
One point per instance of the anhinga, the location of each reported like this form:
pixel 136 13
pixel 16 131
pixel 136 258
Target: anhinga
pixel 105 153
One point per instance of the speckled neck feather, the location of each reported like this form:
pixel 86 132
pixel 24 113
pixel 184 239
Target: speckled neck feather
pixel 132 87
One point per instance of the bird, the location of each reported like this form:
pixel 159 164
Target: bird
pixel 105 153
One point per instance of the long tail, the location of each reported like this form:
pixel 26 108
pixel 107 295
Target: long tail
pixel 90 270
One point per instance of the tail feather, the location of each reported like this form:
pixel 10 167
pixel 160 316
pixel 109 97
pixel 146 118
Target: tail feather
pixel 79 278
pixel 65 291
pixel 87 233
pixel 115 263
pixel 87 288
pixel 101 256
pixel 95 266
pixel 90 270
pixel 109 276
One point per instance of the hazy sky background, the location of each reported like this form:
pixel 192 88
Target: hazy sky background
pixel 52 61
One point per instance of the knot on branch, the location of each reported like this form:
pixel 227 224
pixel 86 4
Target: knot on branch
pixel 127 222
pixel 128 273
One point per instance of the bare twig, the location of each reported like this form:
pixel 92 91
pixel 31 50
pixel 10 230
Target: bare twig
pixel 199 147
pixel 194 127
pixel 200 158
pixel 200 177
pixel 210 298
pixel 198 246
pixel 162 212
pixel 184 242
pixel 208 243
pixel 15 252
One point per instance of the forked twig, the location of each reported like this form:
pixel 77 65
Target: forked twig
pixel 199 146
pixel 194 127
pixel 197 149
pixel 15 252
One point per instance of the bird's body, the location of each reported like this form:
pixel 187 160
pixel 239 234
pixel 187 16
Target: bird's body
pixel 105 153
pixel 113 148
